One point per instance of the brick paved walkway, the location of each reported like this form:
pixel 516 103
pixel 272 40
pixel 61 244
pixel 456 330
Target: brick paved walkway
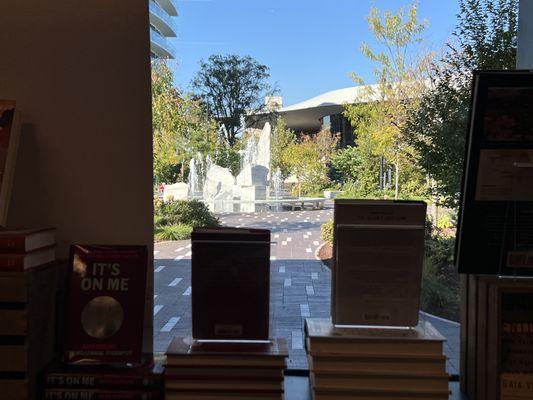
pixel 300 285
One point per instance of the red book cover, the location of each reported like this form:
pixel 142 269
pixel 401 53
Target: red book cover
pixel 147 376
pixel 88 394
pixel 105 305
pixel 25 240
pixel 18 262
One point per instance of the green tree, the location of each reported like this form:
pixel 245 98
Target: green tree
pixel 364 168
pixel 346 163
pixel 282 137
pixel 400 81
pixel 181 128
pixel 165 99
pixel 485 38
pixel 304 160
pixel 232 87
pixel 228 156
pixel 327 144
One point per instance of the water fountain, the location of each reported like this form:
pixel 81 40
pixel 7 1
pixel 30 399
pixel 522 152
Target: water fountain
pixel 248 191
pixel 196 177
pixel 277 186
pixel 255 188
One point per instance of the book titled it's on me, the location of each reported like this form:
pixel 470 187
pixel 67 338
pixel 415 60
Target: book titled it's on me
pixel 230 280
pixel 105 306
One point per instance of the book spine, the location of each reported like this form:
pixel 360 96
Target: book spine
pixel 84 394
pixel 13 358
pixel 66 380
pixel 13 288
pixel 14 322
pixel 14 389
pixel 516 385
pixel 12 262
pixel 12 244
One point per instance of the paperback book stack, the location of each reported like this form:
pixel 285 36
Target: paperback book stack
pixel 144 382
pixel 29 284
pixel 375 363
pixel 197 370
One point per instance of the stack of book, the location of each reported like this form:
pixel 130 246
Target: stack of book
pixel 29 286
pixel 198 370
pixel 375 363
pixel 499 330
pixel 144 382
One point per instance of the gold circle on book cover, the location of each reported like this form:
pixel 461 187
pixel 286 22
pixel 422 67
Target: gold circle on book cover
pixel 102 317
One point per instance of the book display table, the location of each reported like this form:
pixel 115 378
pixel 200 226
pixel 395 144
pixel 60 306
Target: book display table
pixel 375 363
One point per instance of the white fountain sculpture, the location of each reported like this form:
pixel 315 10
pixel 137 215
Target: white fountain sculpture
pixel 277 186
pixel 193 178
pixel 196 177
pixel 223 192
pixel 263 147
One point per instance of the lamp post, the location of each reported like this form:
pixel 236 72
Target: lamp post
pixel 524 56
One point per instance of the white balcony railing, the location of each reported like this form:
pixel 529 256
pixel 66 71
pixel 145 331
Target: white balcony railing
pixel 160 46
pixel 169 6
pixel 160 19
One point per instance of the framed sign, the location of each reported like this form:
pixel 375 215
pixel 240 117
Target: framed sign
pixel 378 250
pixel 495 233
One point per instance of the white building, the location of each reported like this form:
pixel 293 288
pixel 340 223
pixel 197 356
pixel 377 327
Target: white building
pixel 324 111
pixel 162 13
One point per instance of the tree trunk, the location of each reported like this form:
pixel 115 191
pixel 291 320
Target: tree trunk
pixel 397 178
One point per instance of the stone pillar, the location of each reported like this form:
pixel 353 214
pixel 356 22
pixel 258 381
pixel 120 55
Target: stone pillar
pixel 524 59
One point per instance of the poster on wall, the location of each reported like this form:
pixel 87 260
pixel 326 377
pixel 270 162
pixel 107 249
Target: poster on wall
pixel 495 232
pixel 9 141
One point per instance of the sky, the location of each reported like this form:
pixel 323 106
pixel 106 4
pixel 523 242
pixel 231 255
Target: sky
pixel 310 46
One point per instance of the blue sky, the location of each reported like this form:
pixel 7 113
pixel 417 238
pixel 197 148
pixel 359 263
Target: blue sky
pixel 311 46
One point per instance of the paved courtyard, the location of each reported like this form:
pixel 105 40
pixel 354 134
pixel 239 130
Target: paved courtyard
pixel 300 284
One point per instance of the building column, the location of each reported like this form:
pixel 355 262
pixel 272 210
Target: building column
pixel 524 59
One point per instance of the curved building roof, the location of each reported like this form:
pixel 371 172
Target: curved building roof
pixel 306 115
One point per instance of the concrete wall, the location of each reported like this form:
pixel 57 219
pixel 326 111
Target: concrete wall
pixel 525 35
pixel 80 72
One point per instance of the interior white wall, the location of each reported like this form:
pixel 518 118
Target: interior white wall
pixel 80 73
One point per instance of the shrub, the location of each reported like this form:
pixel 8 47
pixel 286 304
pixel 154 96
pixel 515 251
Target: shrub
pixel 193 213
pixel 173 232
pixel 346 164
pixel 440 280
pixel 445 222
pixel 159 221
pixel 327 232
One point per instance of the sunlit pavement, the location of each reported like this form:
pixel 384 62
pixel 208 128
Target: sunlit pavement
pixel 300 284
